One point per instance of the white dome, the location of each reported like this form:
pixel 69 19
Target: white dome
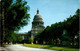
pixel 37 17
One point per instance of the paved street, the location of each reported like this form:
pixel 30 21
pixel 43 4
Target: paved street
pixel 23 48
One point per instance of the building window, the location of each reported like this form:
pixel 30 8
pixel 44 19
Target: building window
pixel 33 34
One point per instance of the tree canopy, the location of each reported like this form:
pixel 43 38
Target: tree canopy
pixel 62 31
pixel 16 14
pixel 15 17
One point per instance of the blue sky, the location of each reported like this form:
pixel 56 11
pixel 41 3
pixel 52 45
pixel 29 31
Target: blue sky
pixel 52 11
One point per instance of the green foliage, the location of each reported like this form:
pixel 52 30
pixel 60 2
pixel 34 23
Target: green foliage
pixel 16 16
pixel 64 31
pixel 31 40
pixel 37 35
pixel 12 37
pixel 18 38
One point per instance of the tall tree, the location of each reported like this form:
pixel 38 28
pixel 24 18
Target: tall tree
pixel 16 15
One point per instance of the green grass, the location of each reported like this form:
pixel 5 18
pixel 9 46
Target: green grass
pixel 51 47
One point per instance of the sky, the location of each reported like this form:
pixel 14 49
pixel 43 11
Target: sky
pixel 52 11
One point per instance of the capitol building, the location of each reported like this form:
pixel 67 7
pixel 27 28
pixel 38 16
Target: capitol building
pixel 37 25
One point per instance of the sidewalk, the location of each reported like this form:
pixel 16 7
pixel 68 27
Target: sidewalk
pixel 3 49
pixel 18 47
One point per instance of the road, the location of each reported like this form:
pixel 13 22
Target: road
pixel 23 48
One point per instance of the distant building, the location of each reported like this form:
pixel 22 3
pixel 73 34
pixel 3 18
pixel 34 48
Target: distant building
pixel 37 24
pixel 25 35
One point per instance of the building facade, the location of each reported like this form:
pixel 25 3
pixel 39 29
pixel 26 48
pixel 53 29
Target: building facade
pixel 37 24
pixel 25 36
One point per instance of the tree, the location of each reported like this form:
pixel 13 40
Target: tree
pixel 65 38
pixel 31 40
pixel 54 33
pixel 73 30
pixel 16 15
pixel 38 37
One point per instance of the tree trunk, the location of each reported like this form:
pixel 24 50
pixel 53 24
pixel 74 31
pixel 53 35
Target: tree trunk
pixel 2 28
pixel 56 42
pixel 72 41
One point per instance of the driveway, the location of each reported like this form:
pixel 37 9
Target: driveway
pixel 23 48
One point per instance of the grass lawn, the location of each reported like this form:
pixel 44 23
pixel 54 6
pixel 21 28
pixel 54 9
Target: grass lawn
pixel 51 47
